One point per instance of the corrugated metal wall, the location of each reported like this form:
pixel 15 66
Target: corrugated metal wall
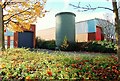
pixel 85 30
pixel 91 26
pixel 81 27
pixel 88 26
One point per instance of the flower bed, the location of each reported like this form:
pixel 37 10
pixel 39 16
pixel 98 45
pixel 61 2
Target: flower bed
pixel 21 64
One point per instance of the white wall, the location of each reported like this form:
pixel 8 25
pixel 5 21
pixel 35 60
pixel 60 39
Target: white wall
pixel 81 27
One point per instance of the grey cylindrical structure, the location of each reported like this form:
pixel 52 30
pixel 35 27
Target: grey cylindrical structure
pixel 65 27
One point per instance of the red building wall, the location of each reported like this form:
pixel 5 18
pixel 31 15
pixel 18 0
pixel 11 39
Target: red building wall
pixel 16 39
pixel 33 29
pixel 91 36
pixel 8 43
pixel 99 33
pixel 96 35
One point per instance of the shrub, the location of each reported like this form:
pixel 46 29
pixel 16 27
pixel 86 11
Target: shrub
pixel 42 44
pixel 92 46
pixel 71 47
pixel 65 44
pixel 97 46
pixel 68 46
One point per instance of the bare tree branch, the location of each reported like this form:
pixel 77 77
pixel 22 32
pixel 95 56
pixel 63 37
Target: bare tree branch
pixel 7 3
pixel 88 7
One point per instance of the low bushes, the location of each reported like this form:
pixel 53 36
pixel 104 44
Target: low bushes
pixel 68 46
pixel 98 46
pixel 21 64
pixel 93 46
pixel 42 44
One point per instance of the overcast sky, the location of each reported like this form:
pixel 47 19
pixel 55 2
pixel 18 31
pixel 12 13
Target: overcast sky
pixel 56 6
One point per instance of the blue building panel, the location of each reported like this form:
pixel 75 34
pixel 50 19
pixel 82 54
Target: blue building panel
pixel 8 33
pixel 91 26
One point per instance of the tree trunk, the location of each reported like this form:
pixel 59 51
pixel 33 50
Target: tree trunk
pixel 117 27
pixel 2 44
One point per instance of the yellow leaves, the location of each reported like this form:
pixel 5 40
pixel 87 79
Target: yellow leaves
pixel 27 13
pixel 17 18
pixel 37 10
pixel 6 17
pixel 24 4
pixel 14 27
pixel 2 66
pixel 38 4
pixel 19 27
pixel 23 14
pixel 27 78
pixel 26 25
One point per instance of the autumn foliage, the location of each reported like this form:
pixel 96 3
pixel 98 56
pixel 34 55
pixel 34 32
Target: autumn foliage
pixel 20 14
pixel 21 64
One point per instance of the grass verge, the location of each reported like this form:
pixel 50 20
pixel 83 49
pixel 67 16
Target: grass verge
pixel 22 64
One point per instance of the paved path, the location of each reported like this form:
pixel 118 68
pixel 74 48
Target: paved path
pixel 70 52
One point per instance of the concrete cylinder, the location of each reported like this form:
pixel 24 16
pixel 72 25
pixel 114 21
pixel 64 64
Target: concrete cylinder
pixel 65 27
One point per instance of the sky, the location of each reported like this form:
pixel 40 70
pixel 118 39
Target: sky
pixel 56 6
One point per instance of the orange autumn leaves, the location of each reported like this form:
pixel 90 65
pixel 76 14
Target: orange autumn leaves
pixel 49 72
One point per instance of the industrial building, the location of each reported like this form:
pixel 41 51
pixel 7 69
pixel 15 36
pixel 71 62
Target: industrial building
pixel 20 39
pixel 83 31
pixel 88 30
pixel 47 34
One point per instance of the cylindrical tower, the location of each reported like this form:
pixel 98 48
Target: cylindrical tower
pixel 65 27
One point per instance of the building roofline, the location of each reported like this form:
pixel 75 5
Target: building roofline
pixel 92 19
pixel 65 13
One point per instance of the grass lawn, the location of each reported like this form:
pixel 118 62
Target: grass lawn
pixel 22 64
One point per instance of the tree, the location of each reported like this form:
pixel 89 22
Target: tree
pixel 108 29
pixel 18 15
pixel 117 21
pixel 117 27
